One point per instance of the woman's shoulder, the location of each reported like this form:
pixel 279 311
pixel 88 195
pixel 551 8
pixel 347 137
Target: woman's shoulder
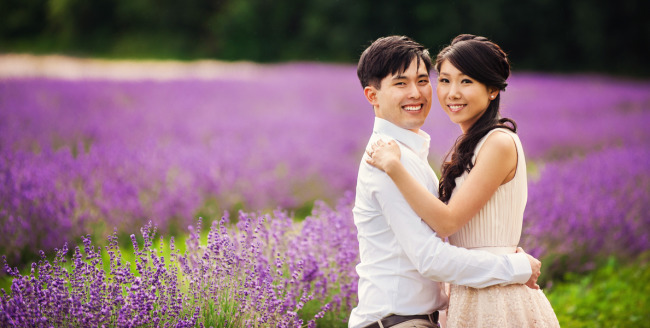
pixel 500 141
pixel 500 137
pixel 503 130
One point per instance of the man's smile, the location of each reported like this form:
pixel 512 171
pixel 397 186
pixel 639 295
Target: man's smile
pixel 412 108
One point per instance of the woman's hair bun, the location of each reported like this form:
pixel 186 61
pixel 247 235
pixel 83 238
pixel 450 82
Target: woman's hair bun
pixel 466 37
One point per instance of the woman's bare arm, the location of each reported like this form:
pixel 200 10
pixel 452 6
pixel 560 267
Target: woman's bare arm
pixel 495 165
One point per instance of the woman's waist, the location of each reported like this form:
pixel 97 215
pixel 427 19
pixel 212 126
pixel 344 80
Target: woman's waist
pixel 498 250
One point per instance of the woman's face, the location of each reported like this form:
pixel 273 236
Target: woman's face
pixel 461 97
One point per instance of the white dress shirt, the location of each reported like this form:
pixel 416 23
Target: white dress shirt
pixel 403 261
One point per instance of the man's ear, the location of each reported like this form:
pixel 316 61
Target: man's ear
pixel 371 94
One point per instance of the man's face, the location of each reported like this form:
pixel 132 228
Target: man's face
pixel 403 99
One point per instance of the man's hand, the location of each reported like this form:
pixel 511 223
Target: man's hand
pixel 535 265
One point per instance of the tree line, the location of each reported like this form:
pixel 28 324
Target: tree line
pixel 547 35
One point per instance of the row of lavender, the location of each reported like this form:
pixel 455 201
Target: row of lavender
pixel 270 271
pixel 92 155
pixel 79 153
pixel 584 209
pixel 264 272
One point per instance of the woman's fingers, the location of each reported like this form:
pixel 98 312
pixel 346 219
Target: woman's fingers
pixel 378 145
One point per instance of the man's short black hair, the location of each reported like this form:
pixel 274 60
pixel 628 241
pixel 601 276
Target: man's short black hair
pixel 388 56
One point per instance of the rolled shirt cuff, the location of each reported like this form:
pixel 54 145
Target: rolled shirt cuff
pixel 521 267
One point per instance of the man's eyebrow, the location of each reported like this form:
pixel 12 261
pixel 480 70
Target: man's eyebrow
pixel 402 77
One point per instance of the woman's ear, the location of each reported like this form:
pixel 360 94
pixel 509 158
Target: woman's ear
pixel 493 92
pixel 371 94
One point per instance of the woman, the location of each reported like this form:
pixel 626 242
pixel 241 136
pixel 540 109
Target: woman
pixel 482 191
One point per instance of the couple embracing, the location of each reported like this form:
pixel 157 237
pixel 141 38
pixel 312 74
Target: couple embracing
pixel 402 213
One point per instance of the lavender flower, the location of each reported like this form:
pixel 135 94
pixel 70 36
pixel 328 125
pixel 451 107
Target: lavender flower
pixel 590 207
pixel 235 279
pixel 79 157
pixel 91 155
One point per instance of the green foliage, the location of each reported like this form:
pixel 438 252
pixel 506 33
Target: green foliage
pixel 540 34
pixel 614 295
pixel 331 319
pixel 20 18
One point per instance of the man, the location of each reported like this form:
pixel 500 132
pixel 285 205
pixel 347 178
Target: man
pixel 403 262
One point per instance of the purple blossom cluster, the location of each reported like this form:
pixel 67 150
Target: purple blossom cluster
pixel 86 294
pixel 34 206
pixel 564 116
pixel 92 155
pixel 263 272
pixel 589 208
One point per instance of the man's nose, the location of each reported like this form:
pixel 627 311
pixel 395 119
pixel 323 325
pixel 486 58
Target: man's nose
pixel 414 92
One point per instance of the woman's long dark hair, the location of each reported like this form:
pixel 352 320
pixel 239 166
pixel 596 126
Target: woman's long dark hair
pixel 484 61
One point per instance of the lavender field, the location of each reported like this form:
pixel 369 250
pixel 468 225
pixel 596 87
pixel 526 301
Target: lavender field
pixel 105 157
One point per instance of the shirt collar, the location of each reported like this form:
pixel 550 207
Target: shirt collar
pixel 418 142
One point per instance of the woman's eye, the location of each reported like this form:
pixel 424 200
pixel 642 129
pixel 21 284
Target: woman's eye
pixel 443 80
pixel 466 81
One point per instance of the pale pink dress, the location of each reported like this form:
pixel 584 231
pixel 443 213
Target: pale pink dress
pixel 497 229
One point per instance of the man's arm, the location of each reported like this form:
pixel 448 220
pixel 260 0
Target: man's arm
pixel 438 260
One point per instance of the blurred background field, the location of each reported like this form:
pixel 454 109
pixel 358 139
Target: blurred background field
pixel 115 114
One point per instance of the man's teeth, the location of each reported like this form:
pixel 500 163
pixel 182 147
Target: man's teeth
pixel 413 107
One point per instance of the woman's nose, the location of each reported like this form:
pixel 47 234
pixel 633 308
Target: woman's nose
pixel 454 92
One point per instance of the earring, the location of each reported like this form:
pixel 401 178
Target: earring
pixel 492 97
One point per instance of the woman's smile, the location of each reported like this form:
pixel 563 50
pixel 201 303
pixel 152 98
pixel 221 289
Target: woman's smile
pixel 456 107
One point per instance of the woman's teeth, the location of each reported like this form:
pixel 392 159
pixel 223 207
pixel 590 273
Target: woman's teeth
pixel 455 108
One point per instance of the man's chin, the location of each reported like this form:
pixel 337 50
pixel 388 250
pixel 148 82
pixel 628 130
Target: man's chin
pixel 414 126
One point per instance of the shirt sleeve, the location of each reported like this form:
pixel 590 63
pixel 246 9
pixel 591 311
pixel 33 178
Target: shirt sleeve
pixel 436 259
